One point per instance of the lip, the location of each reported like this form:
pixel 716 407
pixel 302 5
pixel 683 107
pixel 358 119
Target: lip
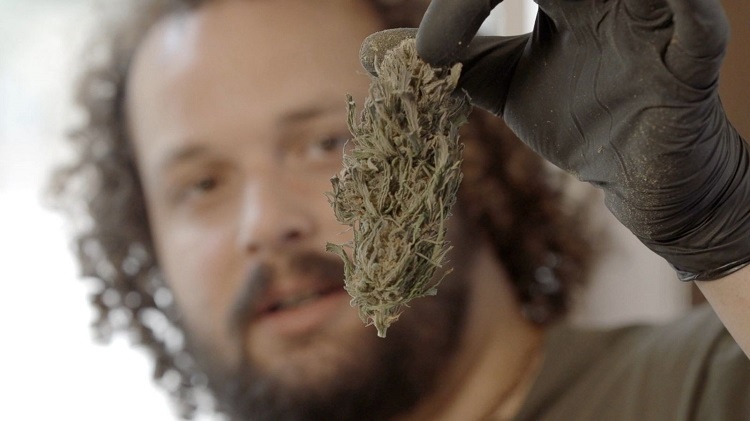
pixel 300 312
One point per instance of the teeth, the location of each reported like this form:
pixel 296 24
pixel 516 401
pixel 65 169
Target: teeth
pixel 295 301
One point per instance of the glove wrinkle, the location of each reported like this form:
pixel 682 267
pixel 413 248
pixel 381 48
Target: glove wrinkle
pixel 483 82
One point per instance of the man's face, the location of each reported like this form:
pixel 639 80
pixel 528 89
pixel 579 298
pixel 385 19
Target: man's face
pixel 237 114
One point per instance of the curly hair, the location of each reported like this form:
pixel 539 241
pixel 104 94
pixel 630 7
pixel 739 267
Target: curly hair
pixel 507 194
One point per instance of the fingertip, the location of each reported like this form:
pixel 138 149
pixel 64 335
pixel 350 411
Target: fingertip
pixel 448 27
pixel 436 53
pixel 375 46
pixel 434 46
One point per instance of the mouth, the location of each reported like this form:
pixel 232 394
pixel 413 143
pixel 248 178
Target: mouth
pixel 296 300
pixel 301 311
pixel 296 297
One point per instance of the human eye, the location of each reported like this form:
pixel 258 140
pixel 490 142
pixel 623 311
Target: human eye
pixel 326 147
pixel 203 185
pixel 197 188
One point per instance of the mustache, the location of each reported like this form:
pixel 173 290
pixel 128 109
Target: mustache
pixel 261 278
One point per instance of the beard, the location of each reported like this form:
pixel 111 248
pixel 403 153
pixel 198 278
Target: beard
pixel 367 378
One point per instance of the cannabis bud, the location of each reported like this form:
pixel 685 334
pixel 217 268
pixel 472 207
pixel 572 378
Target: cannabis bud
pixel 398 184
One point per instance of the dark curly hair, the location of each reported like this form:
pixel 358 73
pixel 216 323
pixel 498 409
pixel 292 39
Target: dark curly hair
pixel 507 194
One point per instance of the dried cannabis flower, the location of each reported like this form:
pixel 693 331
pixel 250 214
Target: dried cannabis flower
pixel 399 183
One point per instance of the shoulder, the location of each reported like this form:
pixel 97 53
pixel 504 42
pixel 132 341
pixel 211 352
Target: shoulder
pixel 698 332
pixel 695 334
pixel 660 372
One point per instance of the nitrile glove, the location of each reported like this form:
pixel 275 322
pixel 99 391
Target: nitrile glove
pixel 623 94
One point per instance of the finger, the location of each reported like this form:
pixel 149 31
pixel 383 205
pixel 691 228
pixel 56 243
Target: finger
pixel 376 45
pixel 488 68
pixel 646 9
pixel 700 27
pixel 449 26
pixel 701 32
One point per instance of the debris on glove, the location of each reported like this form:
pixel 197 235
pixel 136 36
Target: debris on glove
pixel 398 184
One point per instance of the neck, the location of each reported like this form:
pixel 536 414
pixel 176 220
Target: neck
pixel 500 352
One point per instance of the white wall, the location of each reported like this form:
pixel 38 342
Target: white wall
pixel 511 17
pixel 51 369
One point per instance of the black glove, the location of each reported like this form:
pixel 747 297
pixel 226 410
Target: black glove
pixel 622 94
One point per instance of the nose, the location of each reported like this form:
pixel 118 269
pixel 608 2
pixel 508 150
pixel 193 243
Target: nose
pixel 274 217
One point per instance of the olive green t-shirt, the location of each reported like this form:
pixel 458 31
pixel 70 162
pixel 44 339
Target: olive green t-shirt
pixel 687 370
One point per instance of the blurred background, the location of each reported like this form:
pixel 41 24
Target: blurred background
pixel 51 368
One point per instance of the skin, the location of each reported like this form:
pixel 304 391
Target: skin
pixel 730 298
pixel 237 116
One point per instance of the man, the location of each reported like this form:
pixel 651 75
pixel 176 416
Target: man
pixel 213 131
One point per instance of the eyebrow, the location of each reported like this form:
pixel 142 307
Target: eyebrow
pixel 295 116
pixel 309 112
pixel 181 154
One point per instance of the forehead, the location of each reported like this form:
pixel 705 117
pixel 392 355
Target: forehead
pixel 251 59
pixel 309 31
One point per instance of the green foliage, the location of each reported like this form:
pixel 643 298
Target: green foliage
pixel 398 184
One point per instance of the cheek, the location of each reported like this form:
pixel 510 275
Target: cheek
pixel 202 273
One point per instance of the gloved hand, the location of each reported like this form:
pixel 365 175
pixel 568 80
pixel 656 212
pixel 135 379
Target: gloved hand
pixel 622 94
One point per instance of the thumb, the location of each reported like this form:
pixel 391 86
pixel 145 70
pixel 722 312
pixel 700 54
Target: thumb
pixel 375 46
